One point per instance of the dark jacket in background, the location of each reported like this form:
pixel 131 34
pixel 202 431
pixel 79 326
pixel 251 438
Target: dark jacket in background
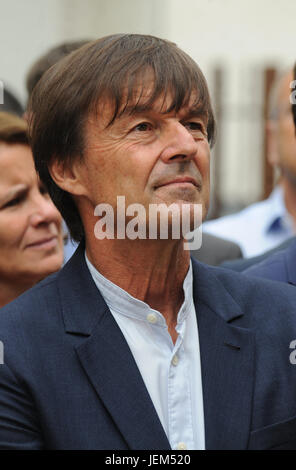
pixel 280 266
pixel 244 263
pixel 215 250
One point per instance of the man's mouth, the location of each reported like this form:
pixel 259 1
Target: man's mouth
pixel 180 181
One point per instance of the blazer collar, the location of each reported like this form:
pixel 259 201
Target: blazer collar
pixel 82 304
pixel 106 358
pixel 208 288
pixel 227 362
pixel 76 287
pixel 226 359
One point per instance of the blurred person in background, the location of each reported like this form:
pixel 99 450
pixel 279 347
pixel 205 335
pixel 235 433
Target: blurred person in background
pixel 10 103
pixel 51 57
pixel 281 265
pixel 216 250
pixel 266 224
pixel 31 240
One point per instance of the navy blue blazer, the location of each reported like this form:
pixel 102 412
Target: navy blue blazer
pixel 69 380
pixel 280 266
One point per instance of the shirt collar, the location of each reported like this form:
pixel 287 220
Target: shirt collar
pixel 122 302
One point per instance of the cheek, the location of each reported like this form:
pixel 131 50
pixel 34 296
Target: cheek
pixel 118 170
pixel 103 165
pixel 145 161
pixel 203 161
pixel 13 227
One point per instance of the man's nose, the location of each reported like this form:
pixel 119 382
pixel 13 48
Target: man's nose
pixel 180 144
pixel 44 211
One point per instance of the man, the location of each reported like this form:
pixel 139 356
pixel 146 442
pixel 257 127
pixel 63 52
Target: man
pixel 264 225
pixel 280 265
pixel 131 345
pixel 214 250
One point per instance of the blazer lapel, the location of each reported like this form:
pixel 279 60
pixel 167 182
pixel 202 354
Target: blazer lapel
pixel 227 354
pixel 227 363
pixel 107 359
pixel 110 366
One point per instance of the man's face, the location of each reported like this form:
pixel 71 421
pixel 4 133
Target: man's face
pixel 150 157
pixel 285 131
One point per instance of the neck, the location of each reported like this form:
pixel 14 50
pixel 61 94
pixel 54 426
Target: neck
pixel 289 197
pixel 150 270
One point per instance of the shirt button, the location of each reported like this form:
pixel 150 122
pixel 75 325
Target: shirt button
pixel 175 360
pixel 152 318
pixel 181 446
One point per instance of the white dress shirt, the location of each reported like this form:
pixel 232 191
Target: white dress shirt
pixel 171 372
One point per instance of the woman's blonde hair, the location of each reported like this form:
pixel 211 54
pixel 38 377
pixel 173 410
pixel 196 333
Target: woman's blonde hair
pixel 13 129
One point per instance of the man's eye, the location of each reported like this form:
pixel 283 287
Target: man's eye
pixel 143 127
pixel 194 126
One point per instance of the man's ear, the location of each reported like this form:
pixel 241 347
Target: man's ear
pixel 69 177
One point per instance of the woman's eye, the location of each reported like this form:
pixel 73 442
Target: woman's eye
pixel 13 202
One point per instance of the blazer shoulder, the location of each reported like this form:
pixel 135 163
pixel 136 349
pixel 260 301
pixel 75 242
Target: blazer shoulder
pixel 30 307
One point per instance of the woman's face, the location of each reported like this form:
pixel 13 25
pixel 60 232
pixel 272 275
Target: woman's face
pixel 31 238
